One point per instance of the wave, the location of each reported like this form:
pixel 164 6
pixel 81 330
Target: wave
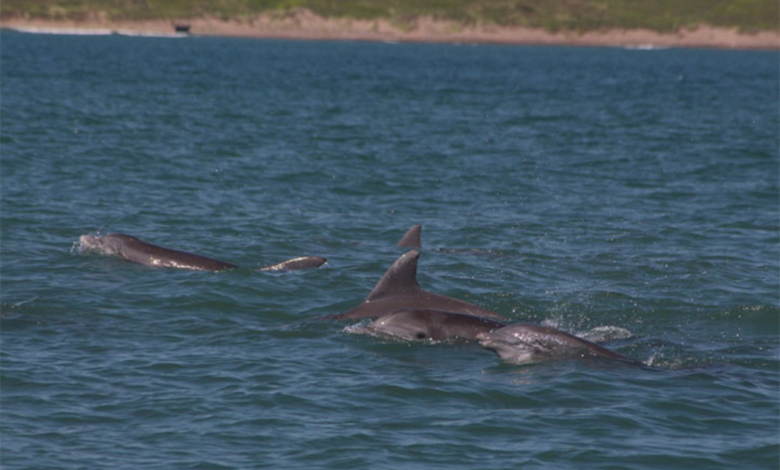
pixel 645 47
pixel 95 32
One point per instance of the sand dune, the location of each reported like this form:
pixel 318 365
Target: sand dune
pixel 303 24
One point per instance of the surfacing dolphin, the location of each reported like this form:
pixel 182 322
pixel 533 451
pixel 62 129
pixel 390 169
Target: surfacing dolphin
pixel 138 251
pixel 524 343
pixel 411 238
pixel 141 252
pixel 432 325
pixel 398 289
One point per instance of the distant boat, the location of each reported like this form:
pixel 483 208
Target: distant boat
pixel 182 28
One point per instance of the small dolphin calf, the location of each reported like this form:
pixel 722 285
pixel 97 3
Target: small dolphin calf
pixel 139 251
pixel 398 289
pixel 435 325
pixel 525 343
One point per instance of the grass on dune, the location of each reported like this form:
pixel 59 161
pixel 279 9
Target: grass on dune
pixel 578 15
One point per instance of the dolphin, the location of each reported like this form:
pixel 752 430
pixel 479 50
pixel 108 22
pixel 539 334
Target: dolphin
pixel 141 252
pixel 398 289
pixel 432 325
pixel 302 262
pixel 523 343
pixel 138 251
pixel 411 238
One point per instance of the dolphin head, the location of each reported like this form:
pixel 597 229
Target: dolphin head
pixel 90 242
pixel 403 324
pixel 432 325
pixel 109 244
pixel 522 343
pixel 517 344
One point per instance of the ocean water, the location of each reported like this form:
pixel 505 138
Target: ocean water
pixel 572 187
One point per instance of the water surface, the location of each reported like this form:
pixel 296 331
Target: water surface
pixel 573 187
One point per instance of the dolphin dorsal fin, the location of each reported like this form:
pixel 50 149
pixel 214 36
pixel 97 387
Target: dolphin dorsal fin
pixel 401 278
pixel 411 238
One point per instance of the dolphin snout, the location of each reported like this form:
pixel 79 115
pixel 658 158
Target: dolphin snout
pixel 486 339
pixel 89 242
pixel 87 239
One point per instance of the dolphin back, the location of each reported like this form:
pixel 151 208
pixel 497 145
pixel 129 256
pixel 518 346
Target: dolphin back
pixel 141 252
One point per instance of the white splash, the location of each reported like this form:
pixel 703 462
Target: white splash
pixel 605 334
pixel 95 32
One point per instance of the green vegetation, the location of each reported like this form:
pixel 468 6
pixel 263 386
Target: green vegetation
pixel 576 15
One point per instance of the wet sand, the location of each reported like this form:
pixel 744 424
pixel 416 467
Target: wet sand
pixel 305 25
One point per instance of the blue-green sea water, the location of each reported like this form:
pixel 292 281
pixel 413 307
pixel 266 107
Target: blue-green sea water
pixel 571 187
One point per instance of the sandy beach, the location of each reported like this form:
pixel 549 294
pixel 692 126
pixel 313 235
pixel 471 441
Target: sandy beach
pixel 305 25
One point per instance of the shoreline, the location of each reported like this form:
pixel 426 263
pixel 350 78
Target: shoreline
pixel 304 25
